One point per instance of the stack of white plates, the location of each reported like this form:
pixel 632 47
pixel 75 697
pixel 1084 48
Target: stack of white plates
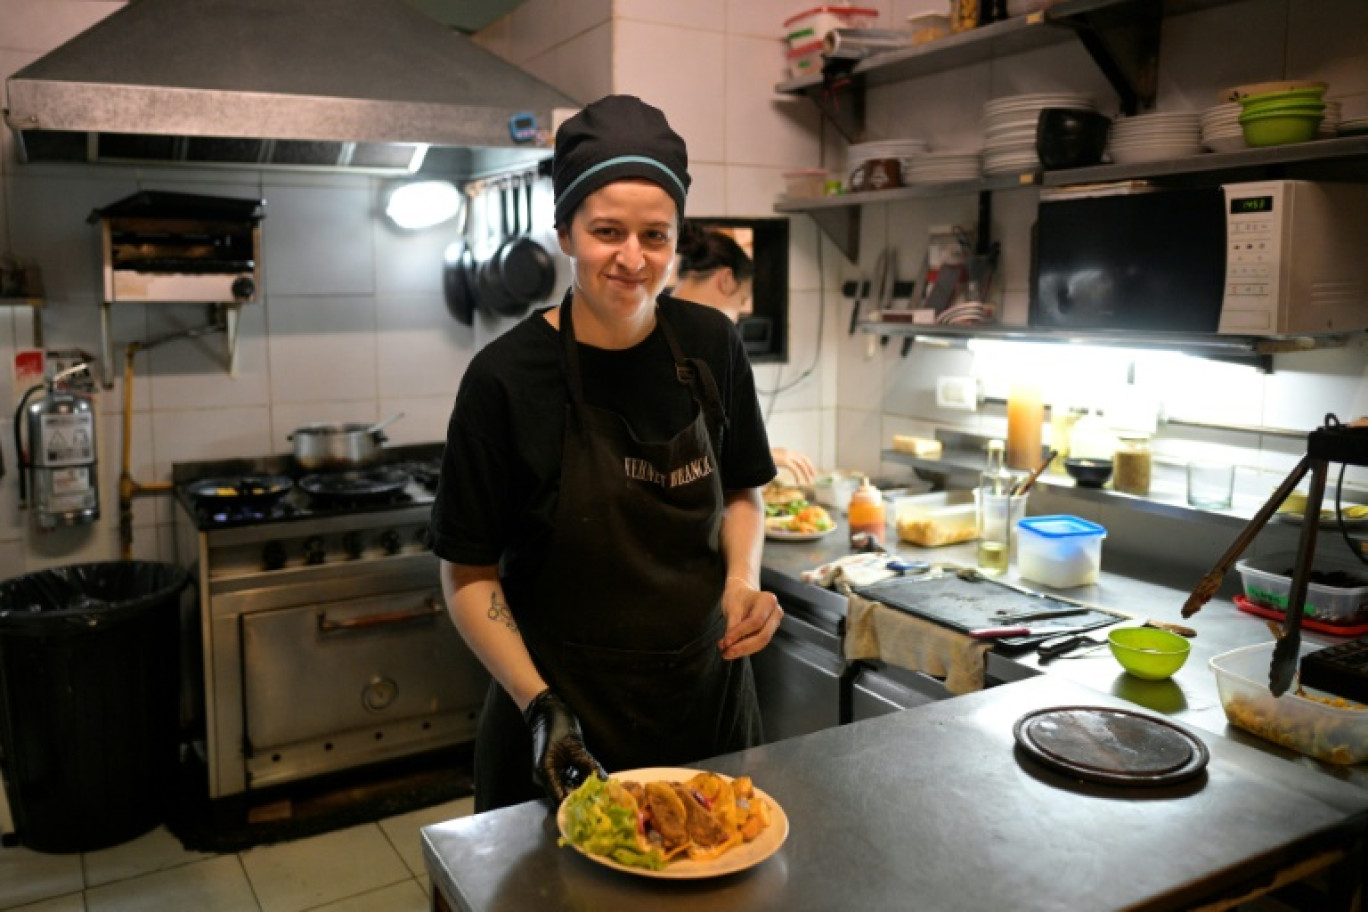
pixel 905 150
pixel 1009 129
pixel 1221 130
pixel 1155 137
pixel 942 167
pixel 1330 123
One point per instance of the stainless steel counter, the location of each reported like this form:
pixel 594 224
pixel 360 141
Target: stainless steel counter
pixel 935 808
pixel 936 803
pixel 1190 696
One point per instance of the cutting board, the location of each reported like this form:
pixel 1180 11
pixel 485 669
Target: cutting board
pixel 973 604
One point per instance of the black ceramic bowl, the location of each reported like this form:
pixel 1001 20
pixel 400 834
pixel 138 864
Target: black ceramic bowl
pixel 1070 137
pixel 1089 473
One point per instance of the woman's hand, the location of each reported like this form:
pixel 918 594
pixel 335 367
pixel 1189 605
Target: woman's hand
pixel 796 464
pixel 752 618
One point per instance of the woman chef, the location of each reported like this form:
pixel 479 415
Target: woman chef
pixel 598 516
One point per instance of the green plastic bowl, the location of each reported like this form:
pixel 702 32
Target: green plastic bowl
pixel 1307 93
pixel 1148 652
pixel 1284 107
pixel 1279 129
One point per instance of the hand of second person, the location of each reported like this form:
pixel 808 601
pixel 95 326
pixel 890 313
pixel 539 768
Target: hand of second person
pixel 752 618
pixel 797 465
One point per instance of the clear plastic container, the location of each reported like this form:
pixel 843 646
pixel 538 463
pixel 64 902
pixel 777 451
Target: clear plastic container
pixel 1333 733
pixel 1059 551
pixel 1267 582
pixel 808 183
pixel 813 24
pixel 934 520
pixel 805 60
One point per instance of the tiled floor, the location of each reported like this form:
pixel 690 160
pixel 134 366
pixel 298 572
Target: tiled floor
pixel 375 867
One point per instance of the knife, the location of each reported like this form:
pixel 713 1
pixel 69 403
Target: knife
pixel 992 633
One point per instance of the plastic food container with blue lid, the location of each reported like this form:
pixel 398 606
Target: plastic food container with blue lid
pixel 1059 551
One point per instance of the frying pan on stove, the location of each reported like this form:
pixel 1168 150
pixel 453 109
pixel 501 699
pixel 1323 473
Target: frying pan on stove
pixel 370 484
pixel 241 490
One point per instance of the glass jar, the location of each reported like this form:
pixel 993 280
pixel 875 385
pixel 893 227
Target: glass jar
pixel 1132 464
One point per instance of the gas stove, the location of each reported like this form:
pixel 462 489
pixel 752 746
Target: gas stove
pixel 322 588
pixel 313 519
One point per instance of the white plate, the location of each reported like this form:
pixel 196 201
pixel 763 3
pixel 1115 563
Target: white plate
pixel 738 858
pixel 781 535
pixel 1327 520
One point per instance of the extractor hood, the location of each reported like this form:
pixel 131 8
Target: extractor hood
pixel 358 85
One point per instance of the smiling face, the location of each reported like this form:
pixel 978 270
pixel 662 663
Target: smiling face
pixel 622 242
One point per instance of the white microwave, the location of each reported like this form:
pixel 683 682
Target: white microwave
pixel 1271 257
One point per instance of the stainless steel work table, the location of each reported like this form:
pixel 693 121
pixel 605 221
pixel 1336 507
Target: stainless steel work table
pixel 1190 696
pixel 936 808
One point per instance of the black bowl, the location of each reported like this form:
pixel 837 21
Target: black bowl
pixel 1070 137
pixel 1089 473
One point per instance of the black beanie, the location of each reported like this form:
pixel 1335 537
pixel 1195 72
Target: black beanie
pixel 614 138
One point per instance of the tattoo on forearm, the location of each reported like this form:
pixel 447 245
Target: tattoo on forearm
pixel 500 612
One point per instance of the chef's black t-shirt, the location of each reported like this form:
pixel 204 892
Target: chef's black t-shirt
pixel 501 466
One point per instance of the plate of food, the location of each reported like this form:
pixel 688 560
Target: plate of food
pixel 1355 517
pixel 789 516
pixel 672 823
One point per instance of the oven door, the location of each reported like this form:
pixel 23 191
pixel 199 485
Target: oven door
pixel 362 666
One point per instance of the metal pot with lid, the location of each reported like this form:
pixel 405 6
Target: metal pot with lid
pixel 327 446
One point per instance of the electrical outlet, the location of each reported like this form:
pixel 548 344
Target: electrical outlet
pixel 957 393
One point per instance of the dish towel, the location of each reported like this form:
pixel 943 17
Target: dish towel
pixel 875 631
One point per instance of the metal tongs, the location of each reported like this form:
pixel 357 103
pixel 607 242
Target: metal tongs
pixel 1334 442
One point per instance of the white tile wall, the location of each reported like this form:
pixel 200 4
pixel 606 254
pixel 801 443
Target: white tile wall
pixel 689 87
pixel 353 326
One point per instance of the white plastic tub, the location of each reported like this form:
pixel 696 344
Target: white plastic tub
pixel 1059 551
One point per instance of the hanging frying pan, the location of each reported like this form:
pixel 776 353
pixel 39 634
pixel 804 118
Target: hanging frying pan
pixel 528 272
pixel 493 295
pixel 240 490
pixel 458 285
pixel 458 274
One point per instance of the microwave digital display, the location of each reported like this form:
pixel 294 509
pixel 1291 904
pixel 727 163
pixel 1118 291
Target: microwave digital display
pixel 1243 205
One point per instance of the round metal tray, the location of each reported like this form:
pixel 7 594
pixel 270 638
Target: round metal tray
pixel 1115 746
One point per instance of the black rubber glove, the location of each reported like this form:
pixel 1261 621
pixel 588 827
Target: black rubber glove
pixel 560 761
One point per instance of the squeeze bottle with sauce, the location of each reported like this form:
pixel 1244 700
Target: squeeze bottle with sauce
pixel 866 512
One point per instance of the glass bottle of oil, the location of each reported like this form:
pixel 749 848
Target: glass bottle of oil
pixel 994 512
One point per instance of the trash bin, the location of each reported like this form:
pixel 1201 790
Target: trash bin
pixel 89 702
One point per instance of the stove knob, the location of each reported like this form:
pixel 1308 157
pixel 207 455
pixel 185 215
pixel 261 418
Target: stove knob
pixel 390 541
pixel 351 543
pixel 313 550
pixel 273 556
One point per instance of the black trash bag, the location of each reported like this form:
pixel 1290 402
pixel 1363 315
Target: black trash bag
pixel 91 596
pixel 89 701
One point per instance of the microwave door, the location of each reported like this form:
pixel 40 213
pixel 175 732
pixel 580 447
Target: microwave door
pixel 1148 262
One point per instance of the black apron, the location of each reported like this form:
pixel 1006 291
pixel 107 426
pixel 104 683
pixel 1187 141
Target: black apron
pixel 624 619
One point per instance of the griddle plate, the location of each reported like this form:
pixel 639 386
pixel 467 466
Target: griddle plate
pixel 1115 746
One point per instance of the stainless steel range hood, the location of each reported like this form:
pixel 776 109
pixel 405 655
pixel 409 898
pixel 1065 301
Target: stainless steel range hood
pixel 360 85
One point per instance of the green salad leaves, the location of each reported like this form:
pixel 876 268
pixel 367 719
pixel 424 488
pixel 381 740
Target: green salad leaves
pixel 601 818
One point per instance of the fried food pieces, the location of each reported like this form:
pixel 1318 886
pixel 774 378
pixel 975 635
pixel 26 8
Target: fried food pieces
pixel 700 818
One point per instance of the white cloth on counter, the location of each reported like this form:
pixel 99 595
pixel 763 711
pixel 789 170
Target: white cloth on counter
pixel 852 570
pixel 876 631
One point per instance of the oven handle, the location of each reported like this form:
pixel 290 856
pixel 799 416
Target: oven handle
pixel 430 609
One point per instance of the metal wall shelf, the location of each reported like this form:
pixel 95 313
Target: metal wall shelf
pixel 1255 350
